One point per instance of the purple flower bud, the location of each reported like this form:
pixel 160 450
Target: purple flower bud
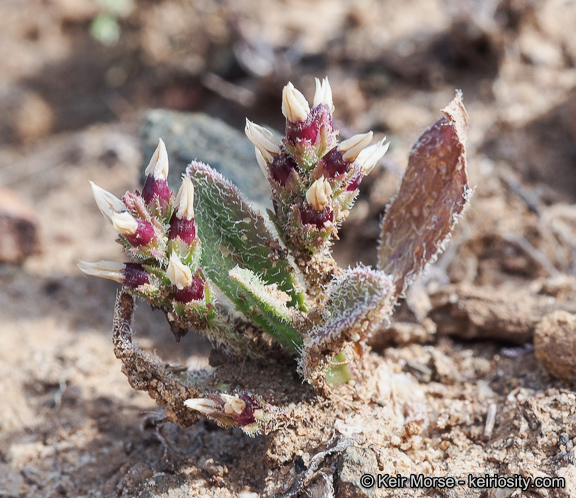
pixel 309 129
pixel 193 292
pixel 135 275
pixel 131 275
pixel 310 216
pixel 280 168
pixel 333 163
pixel 182 221
pixel 183 228
pixel 246 416
pixel 156 188
pixel 143 234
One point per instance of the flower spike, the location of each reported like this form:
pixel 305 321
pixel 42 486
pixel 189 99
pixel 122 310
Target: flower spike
pixel 320 315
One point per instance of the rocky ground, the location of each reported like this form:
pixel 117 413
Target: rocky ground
pixel 476 374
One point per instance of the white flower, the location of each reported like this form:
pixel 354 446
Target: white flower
pixel 158 165
pixel 354 145
pixel 108 203
pixel 318 195
pixel 370 156
pixel 202 405
pixel 262 139
pixel 178 273
pixel 104 269
pixel 294 105
pixel 323 94
pixel 185 200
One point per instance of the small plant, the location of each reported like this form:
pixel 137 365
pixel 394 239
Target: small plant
pixel 204 254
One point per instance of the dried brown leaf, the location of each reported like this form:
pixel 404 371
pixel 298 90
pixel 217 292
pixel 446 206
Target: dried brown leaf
pixel 433 193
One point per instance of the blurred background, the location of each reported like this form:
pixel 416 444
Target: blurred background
pixel 76 79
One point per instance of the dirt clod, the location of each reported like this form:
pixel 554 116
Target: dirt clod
pixel 555 344
pixel 19 231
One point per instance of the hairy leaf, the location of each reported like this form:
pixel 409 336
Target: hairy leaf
pixel 433 193
pixel 358 300
pixel 234 234
pixel 265 305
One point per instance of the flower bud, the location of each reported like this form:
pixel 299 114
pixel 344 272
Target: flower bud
pixel 131 275
pixel 194 292
pixel 321 219
pixel 280 168
pixel 158 165
pixel 137 232
pixel 318 195
pixel 317 129
pixel 294 105
pixel 135 275
pixel 333 163
pixel 185 200
pixel 156 185
pixel 185 286
pixel 182 222
pixel 323 94
pixel 262 139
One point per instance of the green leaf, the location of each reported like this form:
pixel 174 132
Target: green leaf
pixel 234 234
pixel 266 306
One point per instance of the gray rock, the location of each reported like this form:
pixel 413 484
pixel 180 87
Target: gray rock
pixel 196 136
